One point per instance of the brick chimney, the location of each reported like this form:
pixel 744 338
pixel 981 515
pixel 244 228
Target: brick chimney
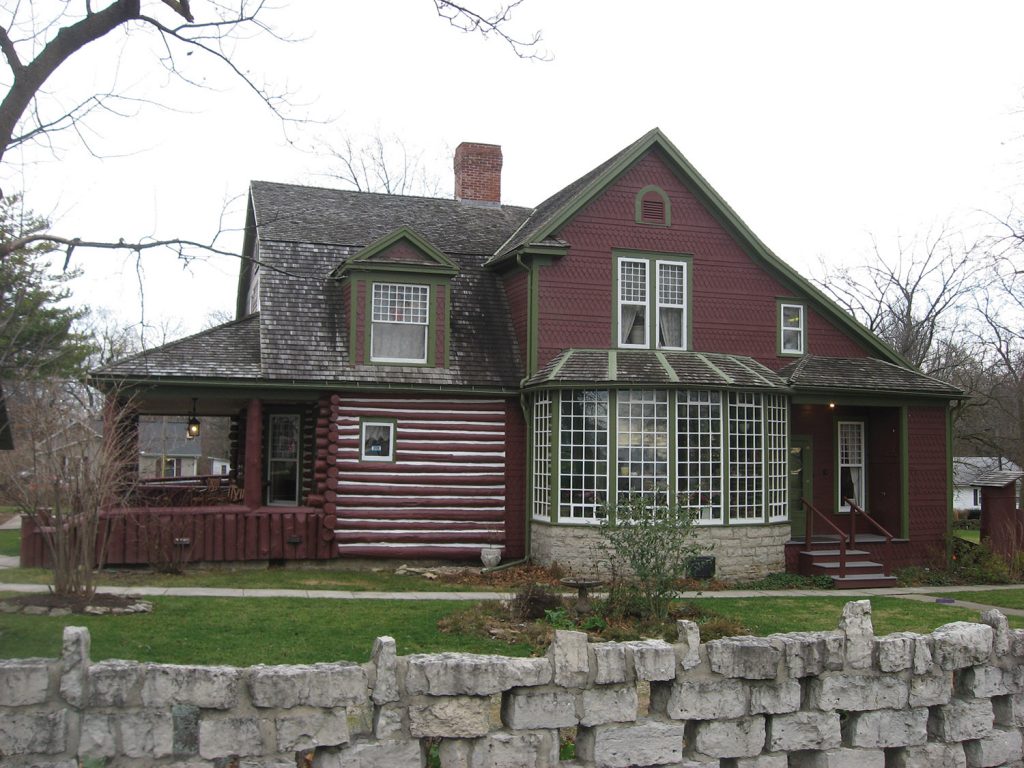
pixel 478 173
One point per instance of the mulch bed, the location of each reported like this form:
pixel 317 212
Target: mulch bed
pixel 72 603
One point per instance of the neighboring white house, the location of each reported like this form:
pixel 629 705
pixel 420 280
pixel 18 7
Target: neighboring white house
pixel 969 474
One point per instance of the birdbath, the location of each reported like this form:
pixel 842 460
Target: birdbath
pixel 583 587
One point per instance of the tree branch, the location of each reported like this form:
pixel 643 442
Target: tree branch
pixel 468 20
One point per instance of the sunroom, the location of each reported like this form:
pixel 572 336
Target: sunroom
pixel 709 431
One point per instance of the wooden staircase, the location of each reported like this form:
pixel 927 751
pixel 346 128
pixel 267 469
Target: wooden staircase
pixel 848 568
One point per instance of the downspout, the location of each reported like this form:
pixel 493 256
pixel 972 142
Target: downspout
pixel 526 420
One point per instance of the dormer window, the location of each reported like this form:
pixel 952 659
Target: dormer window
pixel 653 207
pixel 401 318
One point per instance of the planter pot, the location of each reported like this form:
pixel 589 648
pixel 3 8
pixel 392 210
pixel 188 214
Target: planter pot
pixel 491 556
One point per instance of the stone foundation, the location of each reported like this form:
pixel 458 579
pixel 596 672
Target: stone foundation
pixel 837 699
pixel 740 551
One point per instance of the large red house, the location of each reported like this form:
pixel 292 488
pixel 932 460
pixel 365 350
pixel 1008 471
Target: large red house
pixel 416 378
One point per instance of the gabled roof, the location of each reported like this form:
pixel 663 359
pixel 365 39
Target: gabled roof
pixel 865 375
pixel 370 258
pixel 295 214
pixel 551 215
pixel 227 351
pixel 656 368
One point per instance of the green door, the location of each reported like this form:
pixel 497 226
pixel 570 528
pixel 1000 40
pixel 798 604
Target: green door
pixel 800 479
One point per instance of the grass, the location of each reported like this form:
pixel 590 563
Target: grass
pixel 787 614
pixel 1001 598
pixel 972 536
pixel 10 543
pixel 243 632
pixel 289 577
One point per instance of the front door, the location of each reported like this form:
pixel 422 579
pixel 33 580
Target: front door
pixel 283 459
pixel 800 479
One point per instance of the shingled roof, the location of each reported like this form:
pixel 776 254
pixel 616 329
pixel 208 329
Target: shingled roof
pixel 862 374
pixel 653 368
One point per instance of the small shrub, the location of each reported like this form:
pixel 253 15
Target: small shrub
pixel 786 581
pixel 653 543
pixel 594 623
pixel 559 619
pixel 977 564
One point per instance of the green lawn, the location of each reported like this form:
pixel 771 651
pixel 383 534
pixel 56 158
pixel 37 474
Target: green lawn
pixel 289 577
pixel 787 614
pixel 242 632
pixel 972 536
pixel 1001 598
pixel 10 543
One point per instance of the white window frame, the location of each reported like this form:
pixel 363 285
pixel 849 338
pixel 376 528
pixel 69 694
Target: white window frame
pixel 584 510
pixel 646 304
pixel 776 440
pixel 542 421
pixel 682 265
pixel 702 414
pixel 425 322
pixel 364 427
pixel 843 463
pixel 273 420
pixel 639 453
pixel 800 330
pixel 746 415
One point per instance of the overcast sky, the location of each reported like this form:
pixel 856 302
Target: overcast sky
pixel 822 124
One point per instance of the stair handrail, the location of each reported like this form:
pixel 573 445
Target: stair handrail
pixel 855 512
pixel 809 533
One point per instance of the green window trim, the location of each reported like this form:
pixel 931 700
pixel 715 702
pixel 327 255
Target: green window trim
pixel 667 282
pixel 434 285
pixel 652 207
pixel 787 329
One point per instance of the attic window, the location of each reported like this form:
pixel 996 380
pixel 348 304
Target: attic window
pixel 653 207
pixel 400 322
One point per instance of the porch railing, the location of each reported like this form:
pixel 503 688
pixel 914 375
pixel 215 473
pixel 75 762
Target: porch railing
pixel 815 514
pixel 857 512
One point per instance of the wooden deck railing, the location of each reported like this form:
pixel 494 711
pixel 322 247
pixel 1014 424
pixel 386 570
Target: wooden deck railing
pixel 855 513
pixel 809 533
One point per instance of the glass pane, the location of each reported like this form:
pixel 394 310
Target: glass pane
pixel 377 441
pixel 284 436
pixel 399 341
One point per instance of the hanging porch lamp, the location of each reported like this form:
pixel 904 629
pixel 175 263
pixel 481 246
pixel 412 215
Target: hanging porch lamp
pixel 192 429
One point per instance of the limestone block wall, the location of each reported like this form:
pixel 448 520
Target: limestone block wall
pixel 740 551
pixel 839 699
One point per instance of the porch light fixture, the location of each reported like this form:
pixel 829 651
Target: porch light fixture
pixel 832 406
pixel 192 429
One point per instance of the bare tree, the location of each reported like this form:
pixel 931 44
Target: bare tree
pixel 37 39
pixel 914 297
pixel 383 164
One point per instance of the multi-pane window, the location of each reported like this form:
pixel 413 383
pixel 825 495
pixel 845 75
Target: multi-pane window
pixel 642 281
pixel 376 440
pixel 671 305
pixel 583 454
pixel 642 444
pixel 542 457
pixel 792 332
pixel 775 419
pixel 699 453
pixel 633 302
pixel 400 317
pixel 746 467
pixel 851 464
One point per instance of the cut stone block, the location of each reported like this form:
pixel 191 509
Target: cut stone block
pixel 503 749
pixel 524 709
pixel 743 737
pixel 206 687
pixel 839 758
pixel 932 689
pixel 722 699
pixel 688 633
pixel 860 634
pixel 648 743
pixel 608 663
pixel 931 755
pixel 114 683
pixel 857 692
pixel 225 736
pixel 608 704
pixel 983 682
pixel 338 684
pixel 895 652
pixel 751 658
pixel 470 674
pixel 308 729
pixel 775 698
pixel 75 666
pixel 653 660
pixel 811 653
pixel 450 717
pixel 570 659
pixel 27 733
pixel 961 719
pixel 886 728
pixel 962 644
pixel 803 730
pixel 385 661
pixel 1001 747
pixel 23 683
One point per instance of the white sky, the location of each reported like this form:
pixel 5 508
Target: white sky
pixel 822 124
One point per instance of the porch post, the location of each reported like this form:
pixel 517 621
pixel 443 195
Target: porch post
pixel 254 454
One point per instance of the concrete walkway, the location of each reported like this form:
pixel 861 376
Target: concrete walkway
pixel 918 594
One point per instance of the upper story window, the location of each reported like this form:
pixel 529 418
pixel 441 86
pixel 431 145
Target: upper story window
pixel 401 318
pixel 653 207
pixel 792 329
pixel 640 280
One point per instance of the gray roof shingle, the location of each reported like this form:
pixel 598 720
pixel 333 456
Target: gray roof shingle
pixel 862 374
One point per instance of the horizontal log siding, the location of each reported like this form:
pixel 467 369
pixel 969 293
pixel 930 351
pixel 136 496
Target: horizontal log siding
pixel 734 297
pixel 443 496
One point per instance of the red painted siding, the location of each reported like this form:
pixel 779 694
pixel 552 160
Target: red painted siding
pixel 401 253
pixel 358 348
pixel 929 492
pixel 445 492
pixel 733 299
pixel 517 292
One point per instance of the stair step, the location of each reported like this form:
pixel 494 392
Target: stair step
pixel 862 565
pixel 833 552
pixel 863 581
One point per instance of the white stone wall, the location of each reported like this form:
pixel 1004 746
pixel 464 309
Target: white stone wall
pixel 837 699
pixel 740 551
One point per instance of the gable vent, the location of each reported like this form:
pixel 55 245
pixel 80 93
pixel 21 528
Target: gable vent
pixel 653 210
